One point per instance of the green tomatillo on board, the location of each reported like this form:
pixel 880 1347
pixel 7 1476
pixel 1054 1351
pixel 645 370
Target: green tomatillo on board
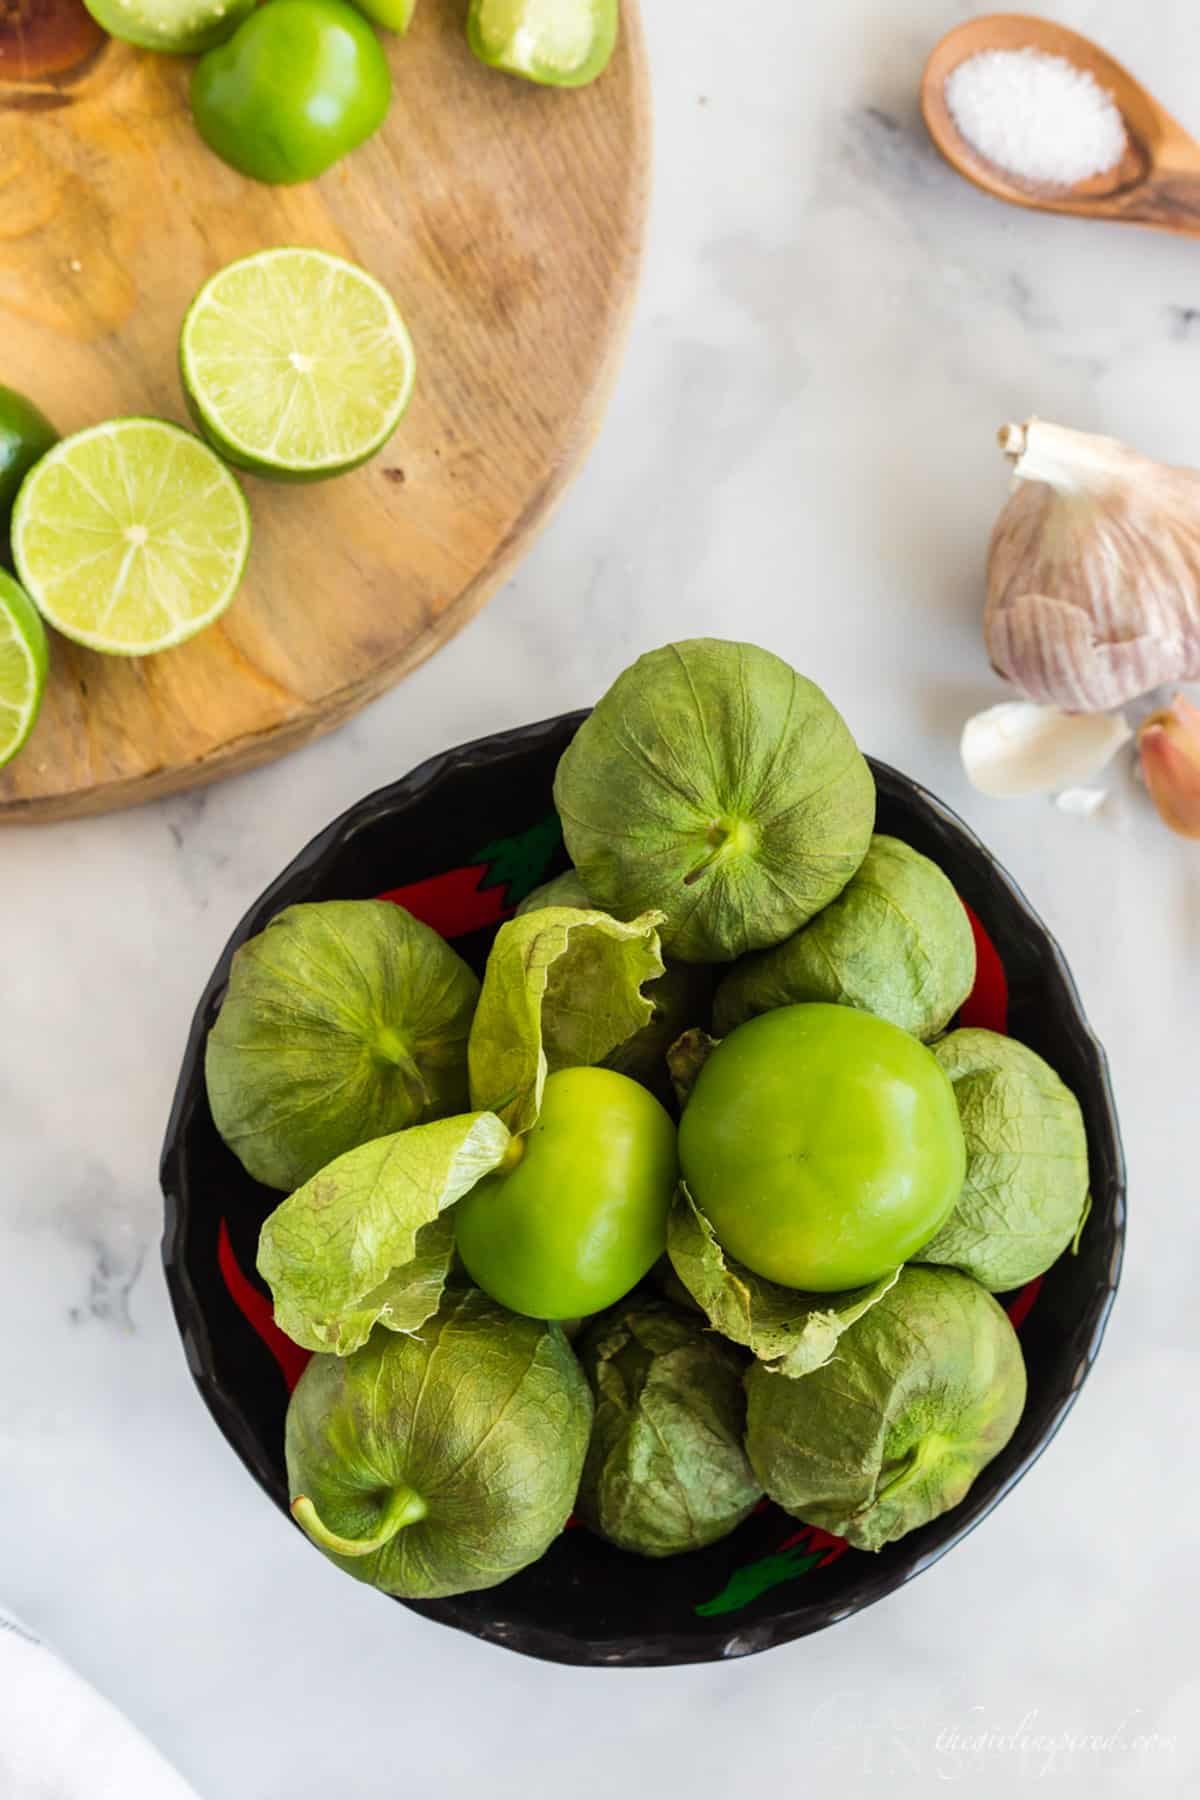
pixel 389 15
pixel 178 27
pixel 25 436
pixel 823 1146
pixel 300 84
pixel 577 1213
pixel 557 43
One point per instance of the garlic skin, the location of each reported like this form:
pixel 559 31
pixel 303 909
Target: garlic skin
pixel 1093 584
pixel 1082 802
pixel 1020 748
pixel 1169 746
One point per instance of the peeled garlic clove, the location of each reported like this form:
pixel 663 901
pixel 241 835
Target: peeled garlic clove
pixel 1093 571
pixel 1169 746
pixel 1019 748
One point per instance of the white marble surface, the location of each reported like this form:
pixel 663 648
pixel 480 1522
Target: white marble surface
pixel 800 451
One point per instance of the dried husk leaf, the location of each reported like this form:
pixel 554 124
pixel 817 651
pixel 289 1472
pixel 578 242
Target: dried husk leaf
pixel 563 989
pixel 366 1242
pixel 791 1332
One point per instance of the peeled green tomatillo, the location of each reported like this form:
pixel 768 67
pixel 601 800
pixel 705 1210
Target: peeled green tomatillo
pixel 823 1145
pixel 299 85
pixel 179 27
pixel 559 43
pixel 579 1214
pixel 390 15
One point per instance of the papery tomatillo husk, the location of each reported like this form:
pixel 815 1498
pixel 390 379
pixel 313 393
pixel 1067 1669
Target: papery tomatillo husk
pixel 1093 571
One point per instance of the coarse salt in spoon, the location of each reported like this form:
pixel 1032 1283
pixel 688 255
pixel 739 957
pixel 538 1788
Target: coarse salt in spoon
pixel 1037 115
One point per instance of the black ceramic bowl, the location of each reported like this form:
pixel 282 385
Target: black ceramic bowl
pixel 459 842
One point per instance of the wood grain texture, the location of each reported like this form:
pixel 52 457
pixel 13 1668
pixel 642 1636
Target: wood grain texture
pixel 1157 181
pixel 508 222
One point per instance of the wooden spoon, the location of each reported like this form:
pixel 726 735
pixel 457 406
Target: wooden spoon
pixel 1156 182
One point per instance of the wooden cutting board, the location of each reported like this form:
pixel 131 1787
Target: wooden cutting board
pixel 506 219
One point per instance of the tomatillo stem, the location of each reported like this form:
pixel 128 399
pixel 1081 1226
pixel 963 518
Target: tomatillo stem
pixel 915 1462
pixel 391 1052
pixel 513 1153
pixel 404 1507
pixel 728 837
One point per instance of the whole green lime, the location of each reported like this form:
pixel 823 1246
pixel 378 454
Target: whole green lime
pixel 25 436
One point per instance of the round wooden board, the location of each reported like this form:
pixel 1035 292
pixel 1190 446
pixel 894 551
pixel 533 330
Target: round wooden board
pixel 507 220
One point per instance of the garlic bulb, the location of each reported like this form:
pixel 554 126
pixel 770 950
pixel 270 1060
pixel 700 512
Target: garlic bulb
pixel 1093 571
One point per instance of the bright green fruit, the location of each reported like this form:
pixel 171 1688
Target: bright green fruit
pixel 823 1146
pixel 299 85
pixel 24 658
pixel 180 27
pixel 579 1215
pixel 391 15
pixel 559 43
pixel 131 536
pixel 296 364
pixel 25 435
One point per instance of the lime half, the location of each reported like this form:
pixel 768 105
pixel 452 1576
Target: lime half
pixel 560 43
pixel 24 658
pixel 130 537
pixel 296 364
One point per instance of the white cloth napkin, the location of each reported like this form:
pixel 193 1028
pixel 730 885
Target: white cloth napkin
pixel 59 1740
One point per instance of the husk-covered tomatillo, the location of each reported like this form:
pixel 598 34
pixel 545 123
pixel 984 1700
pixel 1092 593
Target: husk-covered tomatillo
pixel 444 1461
pixel 343 1021
pixel 926 1388
pixel 716 785
pixel 896 942
pixel 665 1470
pixel 681 998
pixel 1026 1190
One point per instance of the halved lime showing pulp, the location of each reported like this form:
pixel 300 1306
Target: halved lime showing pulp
pixel 296 364
pixel 131 536
pixel 24 658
